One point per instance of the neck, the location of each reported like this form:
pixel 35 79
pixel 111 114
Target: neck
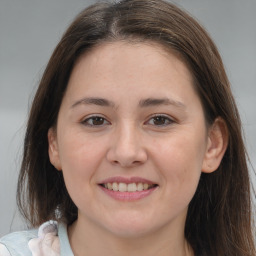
pixel 88 240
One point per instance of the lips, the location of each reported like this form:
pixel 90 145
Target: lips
pixel 127 187
pixel 122 188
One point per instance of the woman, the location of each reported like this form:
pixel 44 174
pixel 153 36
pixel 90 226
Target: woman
pixel 133 145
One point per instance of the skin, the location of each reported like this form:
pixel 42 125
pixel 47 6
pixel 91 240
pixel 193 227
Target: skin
pixel 130 142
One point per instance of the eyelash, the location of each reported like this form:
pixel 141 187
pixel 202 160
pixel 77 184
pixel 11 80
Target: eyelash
pixel 94 118
pixel 88 121
pixel 163 118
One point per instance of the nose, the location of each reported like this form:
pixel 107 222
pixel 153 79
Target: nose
pixel 126 148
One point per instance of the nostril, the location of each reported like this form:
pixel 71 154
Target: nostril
pixel 126 156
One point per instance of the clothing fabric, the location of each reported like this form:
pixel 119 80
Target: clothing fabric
pixel 50 239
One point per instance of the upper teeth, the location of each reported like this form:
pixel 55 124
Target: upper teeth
pixel 130 187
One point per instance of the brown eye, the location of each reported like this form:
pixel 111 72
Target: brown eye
pixel 160 120
pixel 95 121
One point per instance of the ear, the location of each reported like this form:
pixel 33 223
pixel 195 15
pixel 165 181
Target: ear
pixel 53 150
pixel 216 145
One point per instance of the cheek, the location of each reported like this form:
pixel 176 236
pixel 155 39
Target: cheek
pixel 179 160
pixel 80 158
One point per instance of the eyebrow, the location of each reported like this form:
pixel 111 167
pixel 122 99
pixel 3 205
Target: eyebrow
pixel 163 101
pixel 94 101
pixel 142 103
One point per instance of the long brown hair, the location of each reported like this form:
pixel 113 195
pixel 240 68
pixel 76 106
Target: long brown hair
pixel 219 220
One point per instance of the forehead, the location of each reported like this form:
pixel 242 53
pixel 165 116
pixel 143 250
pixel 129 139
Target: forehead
pixel 121 68
pixel 122 57
pixel 133 46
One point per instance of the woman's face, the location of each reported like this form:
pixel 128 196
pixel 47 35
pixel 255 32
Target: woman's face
pixel 131 139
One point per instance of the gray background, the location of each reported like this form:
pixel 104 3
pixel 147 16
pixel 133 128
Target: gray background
pixel 29 31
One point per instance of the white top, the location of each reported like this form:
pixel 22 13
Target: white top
pixel 50 239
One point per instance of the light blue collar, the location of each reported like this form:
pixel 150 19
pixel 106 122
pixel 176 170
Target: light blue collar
pixel 65 248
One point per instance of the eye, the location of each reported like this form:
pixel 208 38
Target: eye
pixel 160 120
pixel 95 121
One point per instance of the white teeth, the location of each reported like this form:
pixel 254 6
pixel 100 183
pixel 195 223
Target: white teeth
pixel 115 186
pixel 109 186
pixel 140 187
pixel 122 187
pixel 131 187
pixel 145 186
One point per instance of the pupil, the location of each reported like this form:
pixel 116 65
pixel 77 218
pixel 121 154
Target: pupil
pixel 98 120
pixel 159 120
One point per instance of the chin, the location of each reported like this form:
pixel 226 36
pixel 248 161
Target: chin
pixel 130 227
pixel 130 232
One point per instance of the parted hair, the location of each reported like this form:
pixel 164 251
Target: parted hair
pixel 219 218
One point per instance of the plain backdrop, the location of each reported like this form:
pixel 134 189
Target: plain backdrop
pixel 29 31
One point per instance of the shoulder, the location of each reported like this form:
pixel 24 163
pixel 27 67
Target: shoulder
pixel 17 240
pixel 4 251
pixel 32 241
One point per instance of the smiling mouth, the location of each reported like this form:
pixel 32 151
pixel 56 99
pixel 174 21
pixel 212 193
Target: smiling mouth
pixel 130 187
